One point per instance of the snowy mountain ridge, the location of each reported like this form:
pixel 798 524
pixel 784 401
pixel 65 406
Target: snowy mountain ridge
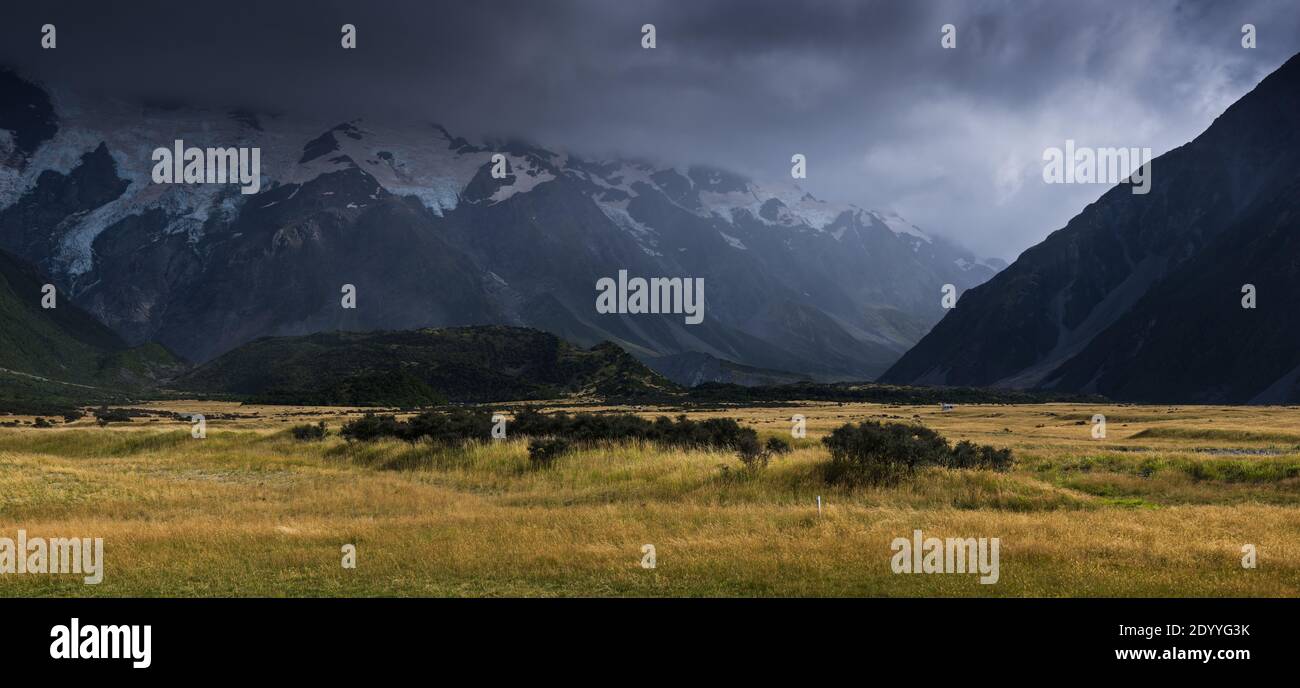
pixel 413 217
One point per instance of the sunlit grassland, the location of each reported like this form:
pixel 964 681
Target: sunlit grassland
pixel 1161 506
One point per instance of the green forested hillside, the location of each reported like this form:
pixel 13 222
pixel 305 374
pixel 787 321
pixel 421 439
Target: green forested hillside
pixel 423 367
pixel 61 356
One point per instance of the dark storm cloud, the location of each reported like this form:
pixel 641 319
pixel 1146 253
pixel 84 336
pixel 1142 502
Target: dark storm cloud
pixel 952 139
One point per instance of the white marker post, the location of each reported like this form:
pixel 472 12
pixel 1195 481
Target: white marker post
pixel 819 505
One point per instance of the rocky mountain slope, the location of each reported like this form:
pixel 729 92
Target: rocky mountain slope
pixel 49 355
pixel 412 217
pixel 1139 297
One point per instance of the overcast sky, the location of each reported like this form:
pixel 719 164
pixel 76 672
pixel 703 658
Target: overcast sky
pixel 951 139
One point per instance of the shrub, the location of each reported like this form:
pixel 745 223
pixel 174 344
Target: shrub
pixel 776 446
pixel 996 459
pixel 882 454
pixel 308 432
pixel 370 427
pixel 42 423
pixel 755 456
pixel 444 427
pixel 543 452
pixel 583 428
pixel 73 416
pixel 104 416
pixel 448 427
pixel 967 454
pixel 752 454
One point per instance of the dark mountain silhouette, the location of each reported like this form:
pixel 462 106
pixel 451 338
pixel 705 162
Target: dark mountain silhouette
pixel 1139 297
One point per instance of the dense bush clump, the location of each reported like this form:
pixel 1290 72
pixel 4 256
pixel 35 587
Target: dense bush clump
pixel 776 446
pixel 543 451
pixel 755 456
pixel 582 428
pixel 967 454
pixel 450 426
pixel 372 427
pixel 42 423
pixel 873 453
pixel 445 426
pixel 104 416
pixel 308 432
pixel 717 433
pixel 751 453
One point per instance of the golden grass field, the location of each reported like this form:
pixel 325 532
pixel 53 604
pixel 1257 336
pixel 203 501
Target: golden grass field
pixel 1161 507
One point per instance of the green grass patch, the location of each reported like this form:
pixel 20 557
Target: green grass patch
pixel 1216 434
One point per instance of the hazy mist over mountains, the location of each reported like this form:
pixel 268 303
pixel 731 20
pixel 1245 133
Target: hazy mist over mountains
pixel 951 140
pixel 411 217
pixel 453 182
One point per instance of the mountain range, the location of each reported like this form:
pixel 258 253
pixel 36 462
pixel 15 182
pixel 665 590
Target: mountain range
pixel 1181 295
pixel 413 219
pixel 1144 297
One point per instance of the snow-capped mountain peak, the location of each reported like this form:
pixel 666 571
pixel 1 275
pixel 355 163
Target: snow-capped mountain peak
pixel 413 217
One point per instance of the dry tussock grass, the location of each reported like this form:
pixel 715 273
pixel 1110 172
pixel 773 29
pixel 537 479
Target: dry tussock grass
pixel 1160 507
